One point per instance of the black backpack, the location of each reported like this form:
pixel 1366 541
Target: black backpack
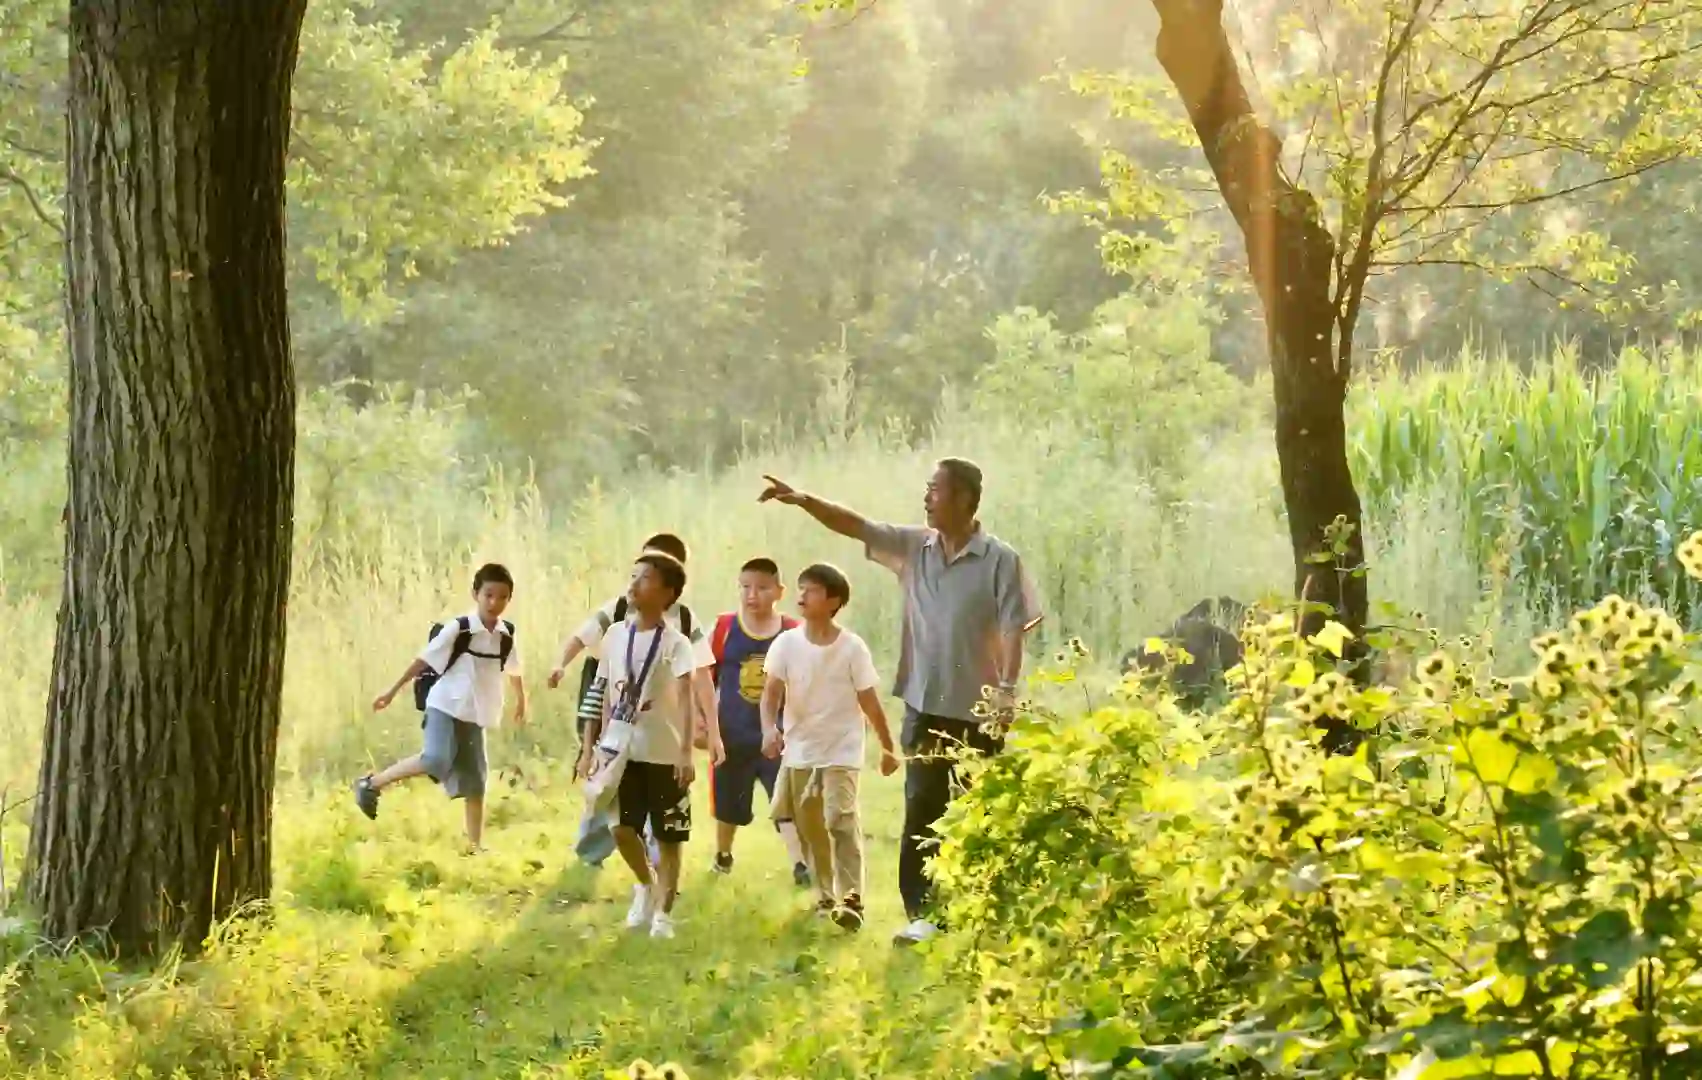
pixel 588 670
pixel 425 680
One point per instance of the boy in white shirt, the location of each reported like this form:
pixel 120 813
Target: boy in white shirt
pixel 649 666
pixel 824 678
pixel 470 656
pixel 590 636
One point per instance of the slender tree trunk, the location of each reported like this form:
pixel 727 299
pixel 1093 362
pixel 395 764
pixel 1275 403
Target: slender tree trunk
pixel 1291 256
pixel 156 778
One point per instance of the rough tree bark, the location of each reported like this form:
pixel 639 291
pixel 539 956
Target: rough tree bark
pixel 1291 256
pixel 156 779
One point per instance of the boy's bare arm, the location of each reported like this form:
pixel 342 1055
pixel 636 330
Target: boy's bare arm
pixel 703 700
pixel 685 771
pixel 870 702
pixel 572 649
pixel 593 731
pixel 415 670
pixel 773 700
pixel 520 710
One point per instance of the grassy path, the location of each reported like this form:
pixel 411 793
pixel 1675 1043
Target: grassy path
pixel 391 956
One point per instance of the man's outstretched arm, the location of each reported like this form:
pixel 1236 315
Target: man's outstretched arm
pixel 840 519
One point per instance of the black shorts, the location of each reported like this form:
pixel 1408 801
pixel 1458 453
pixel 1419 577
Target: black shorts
pixel 732 784
pixel 651 792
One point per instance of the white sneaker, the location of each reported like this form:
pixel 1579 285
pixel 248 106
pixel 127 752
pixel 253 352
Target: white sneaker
pixel 916 933
pixel 643 908
pixel 662 925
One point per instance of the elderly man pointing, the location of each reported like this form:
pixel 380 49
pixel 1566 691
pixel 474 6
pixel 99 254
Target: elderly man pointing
pixel 967 604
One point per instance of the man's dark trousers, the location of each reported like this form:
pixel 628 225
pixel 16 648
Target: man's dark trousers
pixel 930 782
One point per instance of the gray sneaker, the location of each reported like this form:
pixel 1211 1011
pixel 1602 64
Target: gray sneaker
pixel 366 797
pixel 916 933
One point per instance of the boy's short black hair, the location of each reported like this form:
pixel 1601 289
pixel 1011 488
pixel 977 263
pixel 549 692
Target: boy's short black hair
pixel 668 544
pixel 673 574
pixel 493 574
pixel 761 565
pixel 831 579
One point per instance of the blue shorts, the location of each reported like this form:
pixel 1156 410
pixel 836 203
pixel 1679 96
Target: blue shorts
pixel 453 753
pixel 732 784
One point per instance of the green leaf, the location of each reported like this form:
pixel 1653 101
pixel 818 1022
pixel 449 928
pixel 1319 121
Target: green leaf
pixel 1332 638
pixel 1499 763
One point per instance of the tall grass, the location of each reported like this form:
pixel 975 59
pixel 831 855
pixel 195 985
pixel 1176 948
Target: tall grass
pixel 1490 492
pixel 1587 479
pixel 1114 561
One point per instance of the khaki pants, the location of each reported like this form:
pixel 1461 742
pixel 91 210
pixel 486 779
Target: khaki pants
pixel 823 804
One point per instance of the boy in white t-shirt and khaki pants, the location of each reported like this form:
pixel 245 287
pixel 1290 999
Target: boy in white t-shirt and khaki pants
pixel 823 676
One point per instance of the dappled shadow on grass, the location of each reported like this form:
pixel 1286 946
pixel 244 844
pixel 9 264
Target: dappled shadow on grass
pixel 390 955
pixel 752 986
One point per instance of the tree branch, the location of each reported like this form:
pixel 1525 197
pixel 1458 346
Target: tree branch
pixel 29 151
pixel 1415 171
pixel 1528 271
pixel 1549 196
pixel 1603 75
pixel 35 202
pixel 1358 268
pixel 558 32
pixel 858 10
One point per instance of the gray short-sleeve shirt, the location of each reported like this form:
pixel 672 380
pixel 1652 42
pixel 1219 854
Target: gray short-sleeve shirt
pixel 955 613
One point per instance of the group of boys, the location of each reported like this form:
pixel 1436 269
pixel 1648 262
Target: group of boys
pixel 773 700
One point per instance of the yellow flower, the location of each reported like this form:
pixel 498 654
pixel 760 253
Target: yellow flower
pixel 1668 635
pixel 1437 667
pixel 1690 555
pixel 1558 660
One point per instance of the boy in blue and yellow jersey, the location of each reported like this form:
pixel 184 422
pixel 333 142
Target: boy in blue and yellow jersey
pixel 739 644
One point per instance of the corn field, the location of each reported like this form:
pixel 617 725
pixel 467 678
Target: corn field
pixel 1573 483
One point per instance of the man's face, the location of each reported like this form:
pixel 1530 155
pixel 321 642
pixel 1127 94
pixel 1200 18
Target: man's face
pixel 492 598
pixel 759 592
pixel 945 506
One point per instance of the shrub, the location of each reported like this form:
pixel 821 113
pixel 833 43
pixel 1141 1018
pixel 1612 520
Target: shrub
pixel 1499 883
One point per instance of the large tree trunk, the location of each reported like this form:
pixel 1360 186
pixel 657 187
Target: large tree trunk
pixel 1291 256
pixel 156 780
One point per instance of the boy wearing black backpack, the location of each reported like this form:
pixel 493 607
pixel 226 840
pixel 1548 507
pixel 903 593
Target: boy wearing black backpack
pixel 458 685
